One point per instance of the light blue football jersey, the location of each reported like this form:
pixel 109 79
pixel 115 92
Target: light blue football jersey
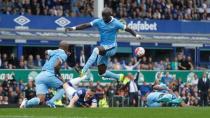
pixel 154 96
pixel 108 31
pixel 54 55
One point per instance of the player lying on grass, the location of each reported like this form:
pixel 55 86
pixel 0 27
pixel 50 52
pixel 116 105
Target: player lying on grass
pixel 160 99
pixel 108 28
pixel 163 95
pixel 49 77
pixel 79 97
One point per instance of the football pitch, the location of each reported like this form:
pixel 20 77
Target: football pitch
pixel 191 112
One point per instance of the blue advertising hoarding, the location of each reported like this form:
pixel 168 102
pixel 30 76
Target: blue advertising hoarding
pixel 170 26
pixel 54 22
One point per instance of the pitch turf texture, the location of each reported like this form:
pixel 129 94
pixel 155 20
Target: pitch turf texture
pixel 192 112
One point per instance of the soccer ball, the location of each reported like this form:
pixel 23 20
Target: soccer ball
pixel 139 51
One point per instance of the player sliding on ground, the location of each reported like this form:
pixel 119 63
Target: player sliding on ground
pixel 80 97
pixel 163 95
pixel 161 99
pixel 108 28
pixel 49 77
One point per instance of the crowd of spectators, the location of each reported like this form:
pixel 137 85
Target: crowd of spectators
pixel 12 91
pixel 82 8
pixel 146 9
pixel 161 9
pixel 180 62
pixel 9 61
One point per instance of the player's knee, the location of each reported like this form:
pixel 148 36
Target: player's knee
pixel 66 85
pixel 101 72
pixel 96 50
pixel 102 50
pixel 101 69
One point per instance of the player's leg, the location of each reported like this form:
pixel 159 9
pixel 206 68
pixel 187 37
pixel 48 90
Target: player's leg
pixel 102 65
pixel 92 58
pixel 32 102
pixel 41 90
pixel 151 102
pixel 69 86
pixel 69 89
pixel 176 101
pixel 99 50
pixel 149 99
pixel 102 70
pixel 56 84
pixel 74 82
pixel 155 104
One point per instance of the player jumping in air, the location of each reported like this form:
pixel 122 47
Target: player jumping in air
pixel 108 28
pixel 49 77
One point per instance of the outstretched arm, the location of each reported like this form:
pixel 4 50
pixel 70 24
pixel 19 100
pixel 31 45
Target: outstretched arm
pixel 139 37
pixel 93 105
pixel 78 27
pixel 136 64
pixel 73 101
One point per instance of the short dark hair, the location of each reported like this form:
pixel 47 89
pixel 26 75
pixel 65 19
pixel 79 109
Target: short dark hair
pixel 107 10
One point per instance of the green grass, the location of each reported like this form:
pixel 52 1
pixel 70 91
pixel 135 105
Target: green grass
pixel 191 112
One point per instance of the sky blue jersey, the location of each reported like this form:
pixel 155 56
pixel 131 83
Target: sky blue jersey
pixel 108 31
pixel 54 55
pixel 154 96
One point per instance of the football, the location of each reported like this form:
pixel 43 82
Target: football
pixel 139 51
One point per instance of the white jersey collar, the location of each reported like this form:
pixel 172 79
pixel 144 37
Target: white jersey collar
pixel 111 19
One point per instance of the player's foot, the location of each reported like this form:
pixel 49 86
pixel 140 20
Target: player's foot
pixel 126 80
pixel 89 76
pixel 176 101
pixel 79 71
pixel 50 104
pixel 123 79
pixel 23 104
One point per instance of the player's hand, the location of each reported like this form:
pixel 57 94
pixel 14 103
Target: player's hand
pixel 68 29
pixel 69 106
pixel 60 78
pixel 139 37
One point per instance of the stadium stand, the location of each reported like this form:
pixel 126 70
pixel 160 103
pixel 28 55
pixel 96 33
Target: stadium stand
pixel 9 61
pixel 82 8
pixel 12 91
pixel 147 9
pixel 161 9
